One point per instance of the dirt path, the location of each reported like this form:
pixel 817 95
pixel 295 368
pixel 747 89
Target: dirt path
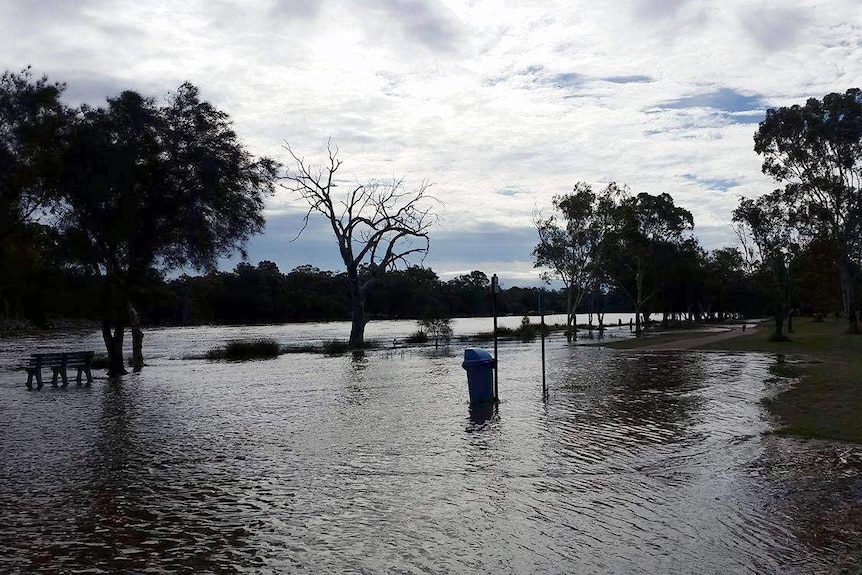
pixel 699 341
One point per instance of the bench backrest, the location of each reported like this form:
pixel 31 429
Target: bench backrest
pixel 67 358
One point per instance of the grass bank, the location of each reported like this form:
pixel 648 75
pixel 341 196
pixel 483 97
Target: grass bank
pixel 826 401
pixel 650 340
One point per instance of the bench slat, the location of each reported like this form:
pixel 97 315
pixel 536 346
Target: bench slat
pixel 59 362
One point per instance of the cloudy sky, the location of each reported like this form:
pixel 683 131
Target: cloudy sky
pixel 500 104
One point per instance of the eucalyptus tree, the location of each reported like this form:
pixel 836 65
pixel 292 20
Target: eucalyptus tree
pixel 764 229
pixel 468 294
pixel 148 187
pixel 816 151
pixel 572 242
pixel 640 246
pixel 377 225
pixel 31 118
pixel 725 278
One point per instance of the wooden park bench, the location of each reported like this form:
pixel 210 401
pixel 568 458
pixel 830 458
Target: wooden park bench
pixel 59 363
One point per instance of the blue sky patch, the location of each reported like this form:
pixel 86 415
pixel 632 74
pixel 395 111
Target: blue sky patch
pixel 724 99
pixel 633 79
pixel 567 79
pixel 723 184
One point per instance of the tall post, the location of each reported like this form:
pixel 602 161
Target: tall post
pixel 542 328
pixel 495 285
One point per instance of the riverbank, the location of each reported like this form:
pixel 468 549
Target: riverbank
pixel 825 400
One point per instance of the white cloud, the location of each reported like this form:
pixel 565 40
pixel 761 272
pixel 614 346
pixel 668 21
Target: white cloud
pixel 480 96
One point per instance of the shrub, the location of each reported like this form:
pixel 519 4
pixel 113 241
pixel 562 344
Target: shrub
pixel 417 337
pixel 335 347
pixel 440 329
pixel 527 331
pixel 246 349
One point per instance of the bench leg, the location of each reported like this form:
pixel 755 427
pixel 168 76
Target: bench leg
pixel 89 375
pixel 78 379
pixel 65 378
pixel 56 371
pixel 29 383
pixel 38 372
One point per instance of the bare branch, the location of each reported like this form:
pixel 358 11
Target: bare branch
pixel 376 224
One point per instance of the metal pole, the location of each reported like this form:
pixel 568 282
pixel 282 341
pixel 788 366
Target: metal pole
pixel 494 287
pixel 542 314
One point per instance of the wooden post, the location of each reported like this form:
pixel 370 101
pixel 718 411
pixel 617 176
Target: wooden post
pixel 495 285
pixel 542 328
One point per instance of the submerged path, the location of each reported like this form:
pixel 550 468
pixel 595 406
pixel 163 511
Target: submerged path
pixel 699 341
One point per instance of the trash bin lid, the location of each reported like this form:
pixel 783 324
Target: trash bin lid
pixel 474 354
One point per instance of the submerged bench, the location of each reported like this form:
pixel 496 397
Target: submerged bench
pixel 59 363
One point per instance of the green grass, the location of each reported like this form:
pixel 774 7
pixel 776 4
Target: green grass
pixel 826 402
pixel 647 340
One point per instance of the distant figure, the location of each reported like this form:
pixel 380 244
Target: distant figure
pixel 743 328
pixel 620 322
pixel 630 324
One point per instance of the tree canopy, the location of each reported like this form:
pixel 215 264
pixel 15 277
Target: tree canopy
pixel 572 244
pixel 815 150
pixel 132 187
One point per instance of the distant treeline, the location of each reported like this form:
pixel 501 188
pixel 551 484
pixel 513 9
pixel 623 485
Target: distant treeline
pixel 263 294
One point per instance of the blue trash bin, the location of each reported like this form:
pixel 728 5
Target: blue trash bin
pixel 480 374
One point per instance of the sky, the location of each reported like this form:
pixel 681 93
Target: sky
pixel 501 105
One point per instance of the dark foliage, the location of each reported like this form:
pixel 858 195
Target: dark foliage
pixel 246 350
pixel 110 198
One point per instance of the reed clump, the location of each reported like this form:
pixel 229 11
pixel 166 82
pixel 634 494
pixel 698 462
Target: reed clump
pixel 244 350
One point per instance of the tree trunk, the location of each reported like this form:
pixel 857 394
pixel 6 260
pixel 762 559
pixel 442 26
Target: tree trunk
pixel 114 347
pixel 357 305
pixel 569 314
pixel 778 335
pixel 137 339
pixel 847 297
pixel 789 321
pixel 113 324
pixel 639 298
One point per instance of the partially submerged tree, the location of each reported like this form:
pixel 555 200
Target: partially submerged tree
pixel 571 242
pixel 641 246
pixel 147 187
pixel 377 225
pixel 438 329
pixel 816 151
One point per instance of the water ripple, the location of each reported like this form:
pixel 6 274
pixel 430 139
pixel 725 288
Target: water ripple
pixel 633 464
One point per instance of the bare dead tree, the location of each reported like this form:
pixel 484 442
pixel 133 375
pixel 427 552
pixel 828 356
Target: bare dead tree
pixel 378 224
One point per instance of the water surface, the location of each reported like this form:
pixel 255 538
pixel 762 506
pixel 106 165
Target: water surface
pixel 633 463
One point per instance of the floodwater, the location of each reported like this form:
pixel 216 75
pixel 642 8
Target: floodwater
pixel 633 463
